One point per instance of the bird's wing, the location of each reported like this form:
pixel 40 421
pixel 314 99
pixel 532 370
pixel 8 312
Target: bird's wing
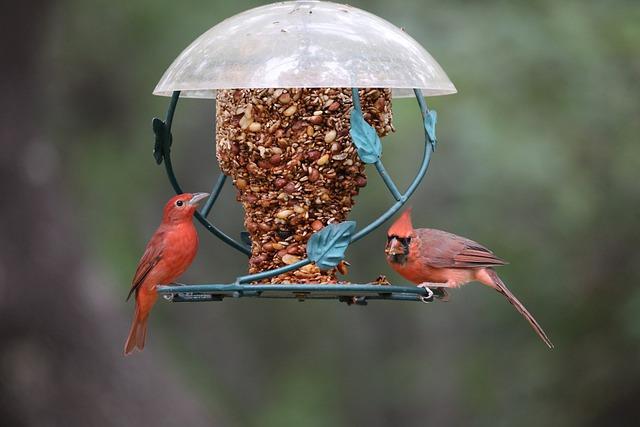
pixel 446 250
pixel 150 258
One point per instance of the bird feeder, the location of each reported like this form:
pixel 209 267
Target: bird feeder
pixel 303 95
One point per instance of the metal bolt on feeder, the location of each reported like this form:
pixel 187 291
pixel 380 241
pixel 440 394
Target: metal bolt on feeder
pixel 303 95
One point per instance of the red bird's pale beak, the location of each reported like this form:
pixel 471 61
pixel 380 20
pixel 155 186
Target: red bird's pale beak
pixel 196 198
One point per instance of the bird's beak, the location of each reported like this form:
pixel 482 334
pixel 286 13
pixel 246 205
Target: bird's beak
pixel 195 199
pixel 394 247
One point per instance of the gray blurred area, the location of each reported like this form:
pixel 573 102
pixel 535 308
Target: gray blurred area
pixel 538 159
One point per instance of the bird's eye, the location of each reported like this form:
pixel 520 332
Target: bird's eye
pixel 179 203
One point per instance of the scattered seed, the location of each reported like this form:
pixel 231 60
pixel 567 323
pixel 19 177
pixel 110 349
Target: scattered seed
pixel 241 184
pixel 330 136
pixel 310 269
pixel 313 155
pixel 275 159
pixel 290 188
pixel 323 160
pixel 334 106
pixel 343 268
pixel 264 227
pixel 313 174
pixel 284 214
pixel 285 98
pixel 290 259
pixel 245 122
pixel 294 250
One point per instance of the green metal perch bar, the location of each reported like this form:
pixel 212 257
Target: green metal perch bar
pixel 351 293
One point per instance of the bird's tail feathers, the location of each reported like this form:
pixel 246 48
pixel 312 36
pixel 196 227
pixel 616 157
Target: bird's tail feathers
pixel 499 285
pixel 138 332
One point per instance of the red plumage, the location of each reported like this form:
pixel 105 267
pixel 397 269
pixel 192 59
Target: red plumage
pixel 436 258
pixel 402 227
pixel 168 254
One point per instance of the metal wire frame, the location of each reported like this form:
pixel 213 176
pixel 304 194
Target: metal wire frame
pixel 350 293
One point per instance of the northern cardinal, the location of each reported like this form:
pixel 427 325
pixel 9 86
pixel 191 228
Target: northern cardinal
pixel 168 254
pixel 429 257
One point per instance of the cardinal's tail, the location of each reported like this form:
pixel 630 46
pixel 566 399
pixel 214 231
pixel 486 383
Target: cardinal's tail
pixel 499 286
pixel 138 331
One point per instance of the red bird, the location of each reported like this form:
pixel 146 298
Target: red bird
pixel 436 258
pixel 168 254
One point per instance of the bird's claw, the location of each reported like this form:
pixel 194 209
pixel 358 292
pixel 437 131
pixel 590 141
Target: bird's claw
pixel 429 297
pixel 426 298
pixel 170 297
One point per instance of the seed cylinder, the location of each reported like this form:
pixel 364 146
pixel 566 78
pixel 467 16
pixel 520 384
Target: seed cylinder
pixel 294 165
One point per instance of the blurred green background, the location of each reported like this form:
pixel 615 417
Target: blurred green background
pixel 538 160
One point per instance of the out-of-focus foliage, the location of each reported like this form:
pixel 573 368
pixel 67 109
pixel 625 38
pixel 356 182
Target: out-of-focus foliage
pixel 538 159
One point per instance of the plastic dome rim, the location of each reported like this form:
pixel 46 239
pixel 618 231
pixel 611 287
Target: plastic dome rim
pixel 311 62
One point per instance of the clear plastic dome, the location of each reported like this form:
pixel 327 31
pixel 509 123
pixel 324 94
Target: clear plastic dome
pixel 304 44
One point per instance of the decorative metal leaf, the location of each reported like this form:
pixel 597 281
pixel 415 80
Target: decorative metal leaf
pixel 327 247
pixel 160 130
pixel 430 125
pixel 365 138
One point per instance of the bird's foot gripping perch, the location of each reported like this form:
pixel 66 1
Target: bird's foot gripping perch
pixel 170 297
pixel 429 297
pixel 437 289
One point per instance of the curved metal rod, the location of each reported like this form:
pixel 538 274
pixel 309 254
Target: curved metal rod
pixel 388 181
pixel 174 182
pixel 213 196
pixel 402 199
